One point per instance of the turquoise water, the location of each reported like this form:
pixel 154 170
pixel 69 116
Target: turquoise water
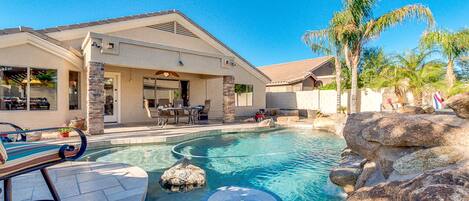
pixel 291 164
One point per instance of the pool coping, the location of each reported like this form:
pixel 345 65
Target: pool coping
pixel 147 137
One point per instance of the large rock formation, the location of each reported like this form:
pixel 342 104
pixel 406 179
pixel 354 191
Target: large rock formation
pixel 398 153
pixel 449 184
pixel 183 176
pixel 460 104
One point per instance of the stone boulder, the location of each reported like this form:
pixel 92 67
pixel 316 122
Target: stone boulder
pixel 449 184
pixel 347 173
pixel 366 132
pixel 428 159
pixel 460 104
pixel 429 109
pixel 182 177
pixel 411 110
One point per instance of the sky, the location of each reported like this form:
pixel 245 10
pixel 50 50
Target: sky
pixel 264 32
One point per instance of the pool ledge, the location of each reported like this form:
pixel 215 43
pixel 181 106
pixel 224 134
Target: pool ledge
pixel 154 135
pixel 90 181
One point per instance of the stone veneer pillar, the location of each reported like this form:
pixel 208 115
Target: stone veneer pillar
pixel 228 99
pixel 95 98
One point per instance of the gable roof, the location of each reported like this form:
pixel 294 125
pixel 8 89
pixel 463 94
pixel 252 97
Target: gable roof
pixel 49 33
pixel 292 72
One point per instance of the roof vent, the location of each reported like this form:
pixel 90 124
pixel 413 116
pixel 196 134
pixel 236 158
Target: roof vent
pixel 173 27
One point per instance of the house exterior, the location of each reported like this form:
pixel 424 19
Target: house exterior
pixel 302 75
pixel 103 70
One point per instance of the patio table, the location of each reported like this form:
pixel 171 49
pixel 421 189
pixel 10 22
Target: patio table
pixel 176 111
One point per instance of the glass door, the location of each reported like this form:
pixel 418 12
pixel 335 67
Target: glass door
pixel 111 98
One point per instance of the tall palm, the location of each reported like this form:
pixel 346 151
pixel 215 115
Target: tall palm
pixel 325 42
pixel 355 26
pixel 453 45
pixel 419 73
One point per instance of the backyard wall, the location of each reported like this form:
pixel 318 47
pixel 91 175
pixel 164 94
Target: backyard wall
pixel 323 100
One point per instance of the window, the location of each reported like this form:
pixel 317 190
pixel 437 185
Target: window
pixel 161 92
pixel 42 89
pixel 74 90
pixel 149 91
pixel 243 95
pixel 15 81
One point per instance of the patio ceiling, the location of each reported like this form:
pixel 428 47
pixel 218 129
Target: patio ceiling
pixel 129 53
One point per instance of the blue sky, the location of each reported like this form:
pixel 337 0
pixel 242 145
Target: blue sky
pixel 264 32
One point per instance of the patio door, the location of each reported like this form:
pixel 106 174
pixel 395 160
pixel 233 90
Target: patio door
pixel 112 97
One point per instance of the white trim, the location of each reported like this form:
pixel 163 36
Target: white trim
pixel 27 38
pixel 326 76
pixel 118 84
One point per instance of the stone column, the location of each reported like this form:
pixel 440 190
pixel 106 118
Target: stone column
pixel 95 98
pixel 228 99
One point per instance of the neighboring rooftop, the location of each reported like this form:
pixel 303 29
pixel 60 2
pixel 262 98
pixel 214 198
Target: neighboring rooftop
pixel 291 72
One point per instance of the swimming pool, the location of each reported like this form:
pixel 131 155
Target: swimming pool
pixel 292 164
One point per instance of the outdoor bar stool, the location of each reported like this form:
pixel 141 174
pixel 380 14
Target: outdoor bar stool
pixel 23 157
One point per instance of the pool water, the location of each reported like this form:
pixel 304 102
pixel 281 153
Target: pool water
pixel 291 164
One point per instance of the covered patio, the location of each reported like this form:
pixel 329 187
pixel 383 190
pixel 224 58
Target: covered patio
pixel 118 80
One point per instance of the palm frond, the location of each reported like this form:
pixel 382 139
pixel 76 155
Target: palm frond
pixel 375 27
pixel 319 41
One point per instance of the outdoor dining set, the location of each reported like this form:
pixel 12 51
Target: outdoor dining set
pixel 163 114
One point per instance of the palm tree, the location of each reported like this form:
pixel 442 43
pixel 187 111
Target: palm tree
pixel 453 45
pixel 419 74
pixel 392 77
pixel 325 42
pixel 373 63
pixel 355 26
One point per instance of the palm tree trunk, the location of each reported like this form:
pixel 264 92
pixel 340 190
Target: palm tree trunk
pixel 354 107
pixel 338 69
pixel 418 96
pixel 450 76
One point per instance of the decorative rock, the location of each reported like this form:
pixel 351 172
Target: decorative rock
pixel 460 104
pixel 428 159
pixel 410 130
pixel 428 109
pixel 183 176
pixel 368 169
pixel 349 169
pixel 450 184
pixel 267 123
pixel 411 110
pixel 386 155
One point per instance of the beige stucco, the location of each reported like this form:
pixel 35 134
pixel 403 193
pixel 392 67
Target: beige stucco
pixel 139 52
pixel 27 55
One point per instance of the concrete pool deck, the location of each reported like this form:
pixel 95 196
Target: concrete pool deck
pixel 90 181
pixel 121 135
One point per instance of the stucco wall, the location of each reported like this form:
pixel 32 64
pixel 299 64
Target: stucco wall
pixel 31 56
pixel 165 38
pixel 201 87
pixel 323 100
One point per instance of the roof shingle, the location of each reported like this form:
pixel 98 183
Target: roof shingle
pixel 287 73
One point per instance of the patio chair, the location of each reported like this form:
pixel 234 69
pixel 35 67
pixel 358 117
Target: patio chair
pixel 24 157
pixel 160 116
pixel 203 114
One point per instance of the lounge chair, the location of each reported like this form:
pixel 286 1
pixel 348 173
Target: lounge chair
pixel 25 157
pixel 203 114
pixel 161 117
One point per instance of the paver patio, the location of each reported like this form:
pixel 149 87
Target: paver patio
pixel 90 181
